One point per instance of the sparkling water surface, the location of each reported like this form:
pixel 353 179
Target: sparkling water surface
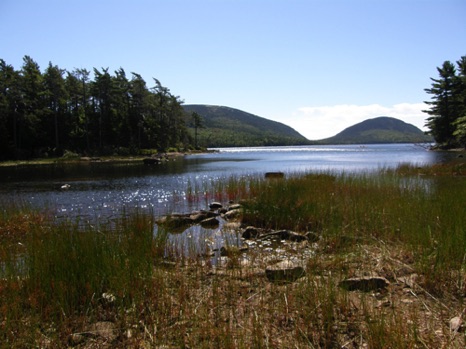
pixel 100 190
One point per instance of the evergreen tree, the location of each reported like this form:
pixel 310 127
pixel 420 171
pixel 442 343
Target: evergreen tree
pixel 31 135
pixel 445 105
pixel 56 97
pixel 101 90
pixel 10 98
pixel 67 110
pixel 460 123
pixel 138 109
pixel 197 123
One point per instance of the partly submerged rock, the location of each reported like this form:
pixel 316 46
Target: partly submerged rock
pixel 232 214
pixel 274 175
pixel 177 222
pixel 210 223
pixel 215 205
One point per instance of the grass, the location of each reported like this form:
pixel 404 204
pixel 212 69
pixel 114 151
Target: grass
pixel 60 281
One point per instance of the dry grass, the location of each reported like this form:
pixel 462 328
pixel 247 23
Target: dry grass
pixel 130 289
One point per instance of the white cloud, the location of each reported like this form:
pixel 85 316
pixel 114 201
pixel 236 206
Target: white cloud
pixel 326 121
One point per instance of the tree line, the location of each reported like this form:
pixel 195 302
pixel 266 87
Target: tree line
pixel 447 120
pixel 48 113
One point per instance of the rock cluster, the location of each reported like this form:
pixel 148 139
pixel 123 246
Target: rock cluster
pixel 279 269
pixel 177 222
pixel 159 158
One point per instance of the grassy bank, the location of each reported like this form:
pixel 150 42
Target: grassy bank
pixel 121 286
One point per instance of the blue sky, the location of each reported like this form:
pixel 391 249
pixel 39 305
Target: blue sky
pixel 316 65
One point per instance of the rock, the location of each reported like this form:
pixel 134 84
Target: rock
pixel 76 339
pixel 285 235
pixel 291 236
pixel 250 233
pixel 210 223
pixel 175 221
pixel 215 205
pixel 232 214
pixel 151 161
pixel 456 324
pixel 104 329
pixel 198 217
pixel 274 175
pixel 232 251
pixel 365 283
pixel 285 271
pixel 234 207
pixel 108 299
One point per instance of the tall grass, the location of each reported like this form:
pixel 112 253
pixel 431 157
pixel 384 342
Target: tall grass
pixel 57 279
pixel 425 214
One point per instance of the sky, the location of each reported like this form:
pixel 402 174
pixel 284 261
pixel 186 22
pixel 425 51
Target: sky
pixel 318 66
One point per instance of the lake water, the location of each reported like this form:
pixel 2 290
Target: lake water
pixel 100 190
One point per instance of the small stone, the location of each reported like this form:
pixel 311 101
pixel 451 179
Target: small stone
pixel 215 205
pixel 456 323
pixel 232 214
pixel 285 271
pixel 234 207
pixel 104 329
pixel 210 223
pixel 365 283
pixel 76 339
pixel 274 175
pixel 250 233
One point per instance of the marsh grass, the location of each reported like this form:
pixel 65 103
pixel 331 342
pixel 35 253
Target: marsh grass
pixel 157 290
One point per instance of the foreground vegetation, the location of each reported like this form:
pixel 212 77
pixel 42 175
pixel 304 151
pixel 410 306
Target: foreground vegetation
pixel 71 284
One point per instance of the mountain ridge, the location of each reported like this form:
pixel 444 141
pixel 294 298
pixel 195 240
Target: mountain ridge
pixel 229 127
pixel 382 129
pixel 225 127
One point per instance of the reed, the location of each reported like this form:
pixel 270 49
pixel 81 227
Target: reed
pixel 158 289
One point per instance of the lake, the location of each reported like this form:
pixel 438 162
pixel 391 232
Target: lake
pixel 101 190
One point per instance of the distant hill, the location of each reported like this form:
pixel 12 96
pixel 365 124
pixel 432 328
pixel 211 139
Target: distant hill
pixel 379 130
pixel 229 127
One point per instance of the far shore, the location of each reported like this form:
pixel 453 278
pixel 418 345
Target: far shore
pixel 107 159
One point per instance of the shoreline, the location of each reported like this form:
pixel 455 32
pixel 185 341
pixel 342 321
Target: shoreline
pixel 86 159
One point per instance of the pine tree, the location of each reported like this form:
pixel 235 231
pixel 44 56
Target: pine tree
pixel 445 105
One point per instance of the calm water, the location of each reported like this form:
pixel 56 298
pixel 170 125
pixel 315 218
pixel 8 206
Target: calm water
pixel 102 190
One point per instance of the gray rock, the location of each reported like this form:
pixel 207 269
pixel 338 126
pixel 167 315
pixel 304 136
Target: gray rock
pixel 234 207
pixel 285 271
pixel 215 205
pixel 104 329
pixel 210 223
pixel 198 217
pixel 175 222
pixel 232 214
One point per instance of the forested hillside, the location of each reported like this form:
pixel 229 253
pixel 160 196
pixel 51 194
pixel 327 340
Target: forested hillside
pixel 45 113
pixel 227 127
pixel 379 130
